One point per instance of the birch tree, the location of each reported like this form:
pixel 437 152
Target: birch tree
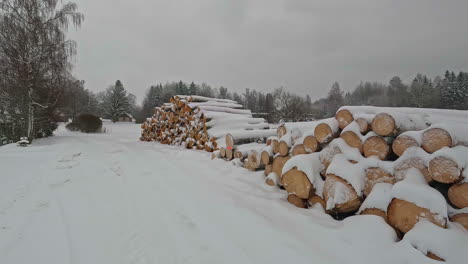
pixel 35 61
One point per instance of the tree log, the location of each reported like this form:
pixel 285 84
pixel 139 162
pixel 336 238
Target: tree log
pixel 340 195
pixel 461 219
pixel 374 176
pixel 229 154
pixel 283 148
pixel 315 199
pixel 275 145
pixel 403 215
pixel 364 126
pixel 414 162
pixel 268 169
pixel 403 142
pixel 267 157
pixel 254 160
pixel 272 179
pixel 375 211
pixel 298 202
pixel 222 152
pixel 352 139
pixel 298 150
pixel 344 118
pixel 444 170
pixel 297 182
pixel 436 138
pixel 281 131
pixel 310 144
pixel 458 194
pixel 384 124
pixel 278 164
pixel 434 257
pixel 324 133
pixel 376 146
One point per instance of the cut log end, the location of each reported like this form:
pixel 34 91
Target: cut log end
pixel 374 176
pixel 266 158
pixel 435 139
pixel 281 131
pixel 270 182
pixel 297 182
pixel 323 133
pixel 458 194
pixel 298 150
pixel 278 164
pixel 283 148
pixel 383 124
pixel 376 146
pixel 364 126
pixel 268 169
pixel 352 139
pixel 402 143
pixel 416 163
pixel 340 195
pixel 461 219
pixel 344 118
pixel 444 170
pixel 310 144
pixel 229 141
pixel 404 215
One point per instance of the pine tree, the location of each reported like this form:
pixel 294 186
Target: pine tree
pixel 335 99
pixel 193 89
pixel 116 102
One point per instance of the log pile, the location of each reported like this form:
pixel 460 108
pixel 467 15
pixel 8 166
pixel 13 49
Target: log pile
pixel 202 123
pixel 400 164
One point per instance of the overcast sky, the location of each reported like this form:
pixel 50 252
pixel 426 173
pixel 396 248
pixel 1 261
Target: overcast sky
pixel 303 45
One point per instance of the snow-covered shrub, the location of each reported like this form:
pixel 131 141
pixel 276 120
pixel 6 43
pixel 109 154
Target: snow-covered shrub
pixel 86 123
pixel 24 142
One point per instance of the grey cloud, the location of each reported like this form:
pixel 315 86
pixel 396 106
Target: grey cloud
pixel 304 45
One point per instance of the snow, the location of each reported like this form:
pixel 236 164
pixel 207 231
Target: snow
pixel 354 174
pixel 414 189
pixel 449 244
pixel 198 98
pixel 108 198
pixel 379 197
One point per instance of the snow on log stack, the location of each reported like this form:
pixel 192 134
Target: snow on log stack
pixel 401 164
pixel 202 123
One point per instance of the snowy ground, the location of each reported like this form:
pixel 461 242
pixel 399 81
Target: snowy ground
pixel 108 198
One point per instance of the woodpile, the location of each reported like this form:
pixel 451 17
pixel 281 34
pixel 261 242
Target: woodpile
pixel 363 164
pixel 203 123
pixel 385 162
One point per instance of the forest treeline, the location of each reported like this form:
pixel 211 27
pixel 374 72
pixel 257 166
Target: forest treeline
pixel 450 91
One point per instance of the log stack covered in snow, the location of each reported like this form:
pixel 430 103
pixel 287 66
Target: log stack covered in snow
pixel 203 123
pixel 391 162
pixel 401 164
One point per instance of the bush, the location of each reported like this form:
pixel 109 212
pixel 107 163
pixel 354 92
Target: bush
pixel 86 123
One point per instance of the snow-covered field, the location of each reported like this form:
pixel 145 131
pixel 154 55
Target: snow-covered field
pixel 108 198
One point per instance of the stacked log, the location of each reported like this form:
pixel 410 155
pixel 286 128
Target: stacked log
pixel 379 161
pixel 203 123
pixel 376 148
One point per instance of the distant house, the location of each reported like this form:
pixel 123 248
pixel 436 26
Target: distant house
pixel 126 118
